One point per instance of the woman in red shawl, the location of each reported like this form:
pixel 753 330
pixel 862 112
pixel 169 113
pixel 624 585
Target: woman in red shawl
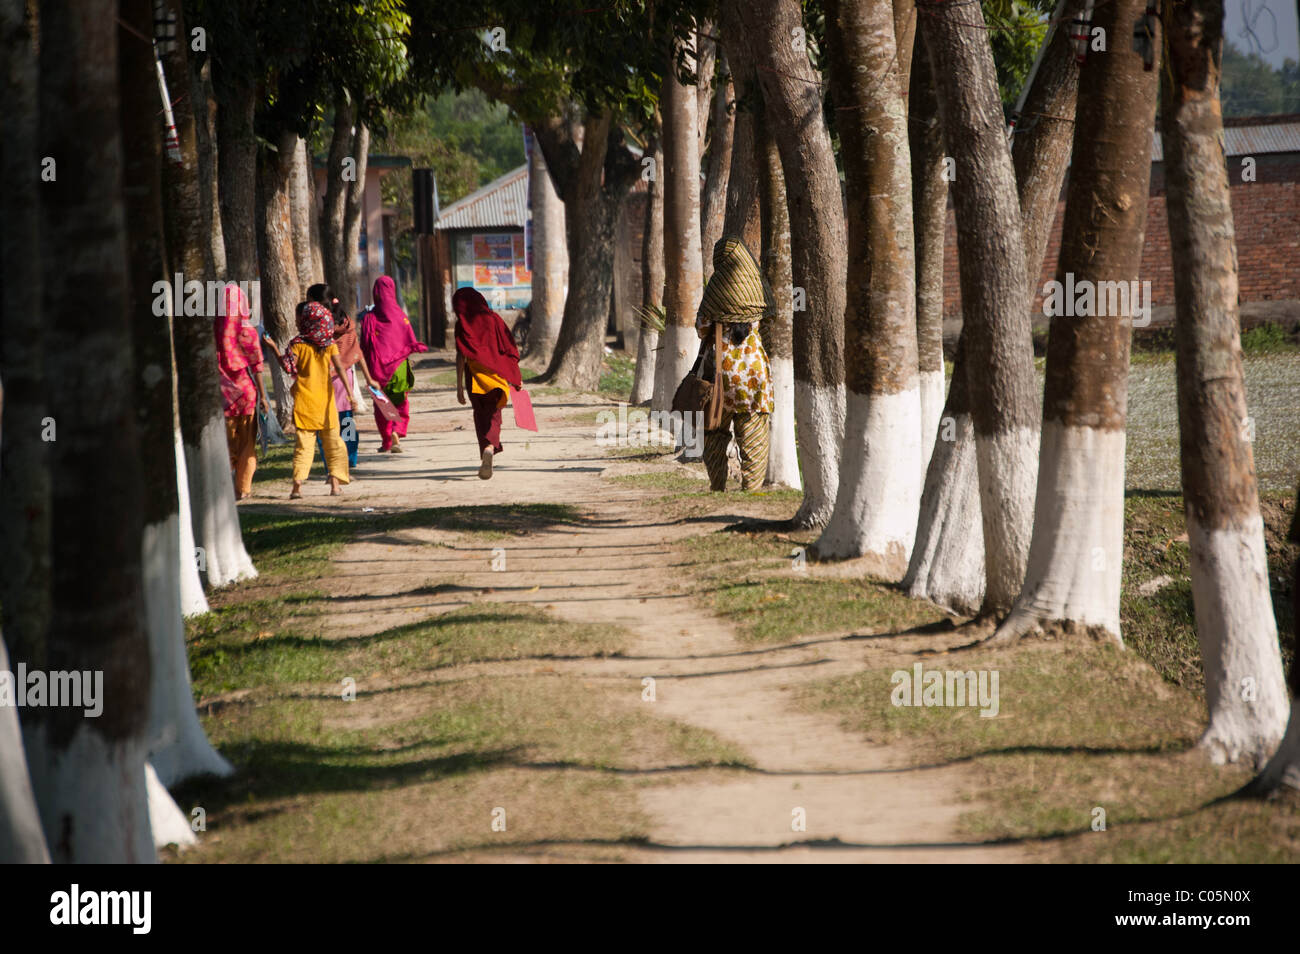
pixel 388 341
pixel 486 354
pixel 239 360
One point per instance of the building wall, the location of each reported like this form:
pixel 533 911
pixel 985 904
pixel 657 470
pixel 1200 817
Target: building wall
pixel 1266 218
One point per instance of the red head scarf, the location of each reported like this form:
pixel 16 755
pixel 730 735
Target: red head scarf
pixel 387 338
pixel 482 336
pixel 315 327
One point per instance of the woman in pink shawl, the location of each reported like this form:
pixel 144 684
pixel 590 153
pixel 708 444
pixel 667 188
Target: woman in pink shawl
pixel 388 341
pixel 239 360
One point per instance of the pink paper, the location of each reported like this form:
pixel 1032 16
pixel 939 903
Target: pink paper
pixel 523 406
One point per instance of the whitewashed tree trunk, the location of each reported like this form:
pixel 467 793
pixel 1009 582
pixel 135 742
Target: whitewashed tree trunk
pixel 193 600
pixel 1244 687
pixel 683 266
pixel 167 822
pixel 550 262
pixel 21 838
pixel 1076 554
pixel 216 521
pixel 875 512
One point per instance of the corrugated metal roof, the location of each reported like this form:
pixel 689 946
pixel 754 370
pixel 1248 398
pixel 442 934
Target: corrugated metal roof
pixel 501 203
pixel 1253 140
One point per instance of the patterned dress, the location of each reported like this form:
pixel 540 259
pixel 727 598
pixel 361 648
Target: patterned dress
pixel 746 375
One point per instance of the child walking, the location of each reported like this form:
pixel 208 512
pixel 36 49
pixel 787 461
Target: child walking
pixel 309 358
pixel 346 393
pixel 486 354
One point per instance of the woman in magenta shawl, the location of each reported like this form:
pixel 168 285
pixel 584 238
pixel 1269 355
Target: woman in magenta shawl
pixel 486 356
pixel 388 341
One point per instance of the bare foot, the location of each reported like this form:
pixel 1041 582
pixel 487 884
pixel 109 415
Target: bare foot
pixel 296 492
pixel 335 489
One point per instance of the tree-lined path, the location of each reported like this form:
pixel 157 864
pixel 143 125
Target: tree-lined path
pixel 616 564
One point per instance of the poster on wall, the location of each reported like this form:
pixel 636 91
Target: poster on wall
pixel 495 264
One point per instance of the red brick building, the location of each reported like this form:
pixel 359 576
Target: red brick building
pixel 1263 156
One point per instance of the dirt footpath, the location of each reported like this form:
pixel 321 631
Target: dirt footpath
pixel 858 801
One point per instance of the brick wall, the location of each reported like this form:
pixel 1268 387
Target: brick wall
pixel 1266 218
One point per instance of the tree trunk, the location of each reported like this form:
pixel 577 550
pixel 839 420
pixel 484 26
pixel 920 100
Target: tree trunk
pixel 947 565
pixel 1229 566
pixel 313 216
pixel 336 200
pixel 713 198
pixel 683 268
pixel 205 126
pixel 280 292
pixel 947 560
pixel 929 215
pixel 550 262
pixel 89 773
pixel 1076 555
pixel 880 479
pixel 171 710
pixel 301 213
pixel 210 495
pixel 353 210
pixel 237 174
pixel 741 214
pixel 652 282
pixel 793 112
pixel 778 331
pixel 24 456
pixel 592 181
pixel 996 326
pixel 904 40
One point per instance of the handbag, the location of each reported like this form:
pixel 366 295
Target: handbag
pixel 696 394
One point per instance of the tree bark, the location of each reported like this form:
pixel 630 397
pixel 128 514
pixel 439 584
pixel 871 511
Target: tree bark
pixel 280 291
pixel 177 744
pixel 237 175
pixel 336 200
pixel 793 111
pixel 652 281
pixel 1244 687
pixel 741 215
pixel 683 264
pixel 313 216
pixel 592 180
pixel 778 331
pixel 550 262
pixel 929 221
pixel 991 255
pixel 876 508
pixel 205 127
pixel 210 494
pixel 713 198
pixel 301 212
pixel 89 773
pixel 24 456
pixel 1075 558
pixel 353 209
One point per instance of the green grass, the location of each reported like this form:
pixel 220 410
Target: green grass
pixel 1270 339
pixel 751 580
pixel 1056 751
pixel 616 375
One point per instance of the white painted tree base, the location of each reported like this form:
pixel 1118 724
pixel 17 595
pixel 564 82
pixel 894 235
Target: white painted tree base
pixel 1076 556
pixel 1245 690
pixel 193 600
pixel 819 416
pixel 166 820
pixel 879 495
pixel 1283 769
pixel 678 349
pixel 179 749
pixel 92 797
pixel 933 397
pixel 216 523
pixel 1007 464
pixel 21 838
pixel 947 565
pixel 783 452
pixel 643 381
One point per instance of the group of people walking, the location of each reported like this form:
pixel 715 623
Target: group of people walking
pixel 330 357
pixel 325 356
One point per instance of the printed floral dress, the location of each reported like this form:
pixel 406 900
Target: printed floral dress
pixel 746 376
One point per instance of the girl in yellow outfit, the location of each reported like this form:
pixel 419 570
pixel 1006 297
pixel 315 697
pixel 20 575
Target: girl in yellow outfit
pixel 311 357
